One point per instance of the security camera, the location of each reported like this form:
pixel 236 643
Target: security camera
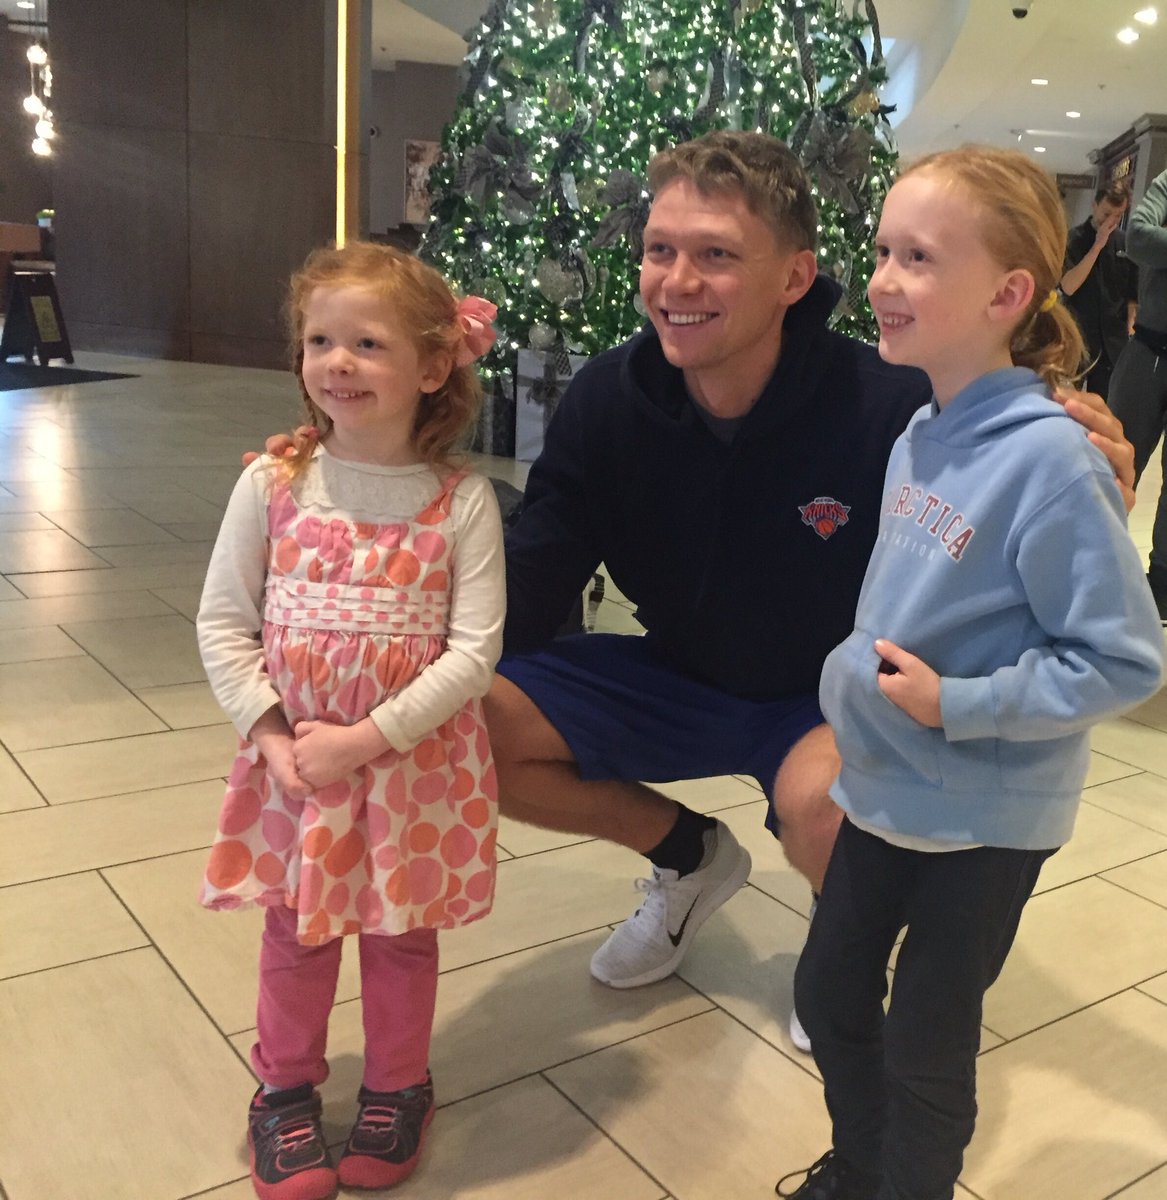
pixel 1021 11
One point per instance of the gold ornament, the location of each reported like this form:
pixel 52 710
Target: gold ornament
pixel 863 104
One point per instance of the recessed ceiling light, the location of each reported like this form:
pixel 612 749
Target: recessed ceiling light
pixel 1146 16
pixel 1127 35
pixel 1072 114
pixel 1039 82
pixel 1039 149
pixel 25 4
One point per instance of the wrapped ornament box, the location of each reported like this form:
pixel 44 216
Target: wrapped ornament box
pixel 540 383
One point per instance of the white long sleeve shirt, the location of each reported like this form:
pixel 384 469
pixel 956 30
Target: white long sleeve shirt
pixel 231 610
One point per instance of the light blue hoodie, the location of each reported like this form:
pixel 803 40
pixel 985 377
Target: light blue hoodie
pixel 1003 562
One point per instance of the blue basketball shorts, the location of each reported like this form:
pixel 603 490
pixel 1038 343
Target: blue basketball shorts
pixel 626 714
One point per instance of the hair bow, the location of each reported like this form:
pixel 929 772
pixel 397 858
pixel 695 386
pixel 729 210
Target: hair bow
pixel 473 316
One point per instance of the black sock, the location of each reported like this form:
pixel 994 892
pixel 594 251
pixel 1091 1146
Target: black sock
pixel 683 847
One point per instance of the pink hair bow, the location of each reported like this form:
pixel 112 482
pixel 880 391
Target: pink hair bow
pixel 473 316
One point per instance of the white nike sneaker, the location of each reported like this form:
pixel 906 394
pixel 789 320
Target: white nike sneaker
pixel 797 1033
pixel 652 942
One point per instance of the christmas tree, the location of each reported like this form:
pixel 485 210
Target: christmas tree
pixel 539 196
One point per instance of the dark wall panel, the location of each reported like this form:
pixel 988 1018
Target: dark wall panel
pixel 120 62
pixel 263 68
pixel 121 227
pixel 257 207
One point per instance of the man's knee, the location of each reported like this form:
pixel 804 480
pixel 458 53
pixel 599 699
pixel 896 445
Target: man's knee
pixel 802 786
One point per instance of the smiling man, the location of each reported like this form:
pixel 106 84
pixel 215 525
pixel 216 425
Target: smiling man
pixel 726 465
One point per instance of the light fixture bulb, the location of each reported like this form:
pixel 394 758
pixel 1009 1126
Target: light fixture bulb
pixel 1146 16
pixel 41 147
pixel 37 54
pixel 34 104
pixel 25 4
pixel 44 128
pixel 1072 114
pixel 1039 82
pixel 1039 149
pixel 1127 35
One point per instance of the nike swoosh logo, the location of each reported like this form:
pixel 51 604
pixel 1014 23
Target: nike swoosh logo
pixel 675 938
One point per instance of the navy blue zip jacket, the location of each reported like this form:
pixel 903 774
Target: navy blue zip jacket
pixel 744 560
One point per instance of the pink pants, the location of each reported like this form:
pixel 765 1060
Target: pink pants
pixel 297 986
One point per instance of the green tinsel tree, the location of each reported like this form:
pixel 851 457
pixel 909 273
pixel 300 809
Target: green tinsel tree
pixel 539 196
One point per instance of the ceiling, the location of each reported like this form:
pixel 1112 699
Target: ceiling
pixel 960 69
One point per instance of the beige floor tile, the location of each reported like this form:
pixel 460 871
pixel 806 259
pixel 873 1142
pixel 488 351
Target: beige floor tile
pixel 16 792
pixel 1103 770
pixel 241 1189
pixel 183 705
pixel 1156 987
pixel 58 921
pixel 23 520
pixel 62 701
pixel 8 591
pixel 1076 945
pixel 1152 712
pixel 617 618
pixel 27 645
pixel 193 531
pixel 57 610
pixel 43 550
pixel 669 1096
pixel 65 838
pixel 1139 745
pixel 709 795
pixel 1151 1187
pixel 520 839
pixel 510 1017
pixel 156 555
pixel 53 495
pixel 176 506
pixel 1142 799
pixel 131 764
pixel 215 953
pixel 1101 840
pixel 549 896
pixel 744 960
pixel 149 652
pixel 771 873
pixel 108 527
pixel 112 579
pixel 1146 878
pixel 524 1142
pixel 184 600
pixel 123 1029
pixel 1076 1110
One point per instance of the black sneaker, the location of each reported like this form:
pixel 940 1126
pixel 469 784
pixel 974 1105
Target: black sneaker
pixel 831 1178
pixel 289 1158
pixel 385 1142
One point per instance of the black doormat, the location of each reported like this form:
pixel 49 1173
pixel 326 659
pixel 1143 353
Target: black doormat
pixel 15 376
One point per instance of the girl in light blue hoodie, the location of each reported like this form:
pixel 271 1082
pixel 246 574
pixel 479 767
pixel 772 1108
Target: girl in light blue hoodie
pixel 1003 613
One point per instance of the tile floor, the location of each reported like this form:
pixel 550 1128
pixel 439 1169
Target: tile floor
pixel 126 1010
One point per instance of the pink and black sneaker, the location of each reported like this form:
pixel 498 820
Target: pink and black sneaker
pixel 385 1142
pixel 289 1157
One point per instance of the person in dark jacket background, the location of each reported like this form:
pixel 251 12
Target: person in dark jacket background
pixel 1100 283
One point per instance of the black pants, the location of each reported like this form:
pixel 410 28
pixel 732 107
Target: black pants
pixel 901 1091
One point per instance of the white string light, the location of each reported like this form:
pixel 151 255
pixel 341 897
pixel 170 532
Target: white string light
pixel 40 85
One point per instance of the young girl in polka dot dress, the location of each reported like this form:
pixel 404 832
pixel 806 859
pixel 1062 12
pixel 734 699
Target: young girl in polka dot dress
pixel 351 619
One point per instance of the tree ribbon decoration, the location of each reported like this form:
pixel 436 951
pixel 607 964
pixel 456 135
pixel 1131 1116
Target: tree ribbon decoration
pixel 714 89
pixel 838 157
pixel 499 165
pixel 873 21
pixel 481 56
pixel 797 16
pixel 624 193
pixel 593 10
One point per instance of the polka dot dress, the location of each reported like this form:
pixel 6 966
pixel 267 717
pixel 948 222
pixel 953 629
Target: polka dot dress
pixel 353 612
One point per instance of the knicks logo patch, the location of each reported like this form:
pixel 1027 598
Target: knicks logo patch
pixel 824 514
